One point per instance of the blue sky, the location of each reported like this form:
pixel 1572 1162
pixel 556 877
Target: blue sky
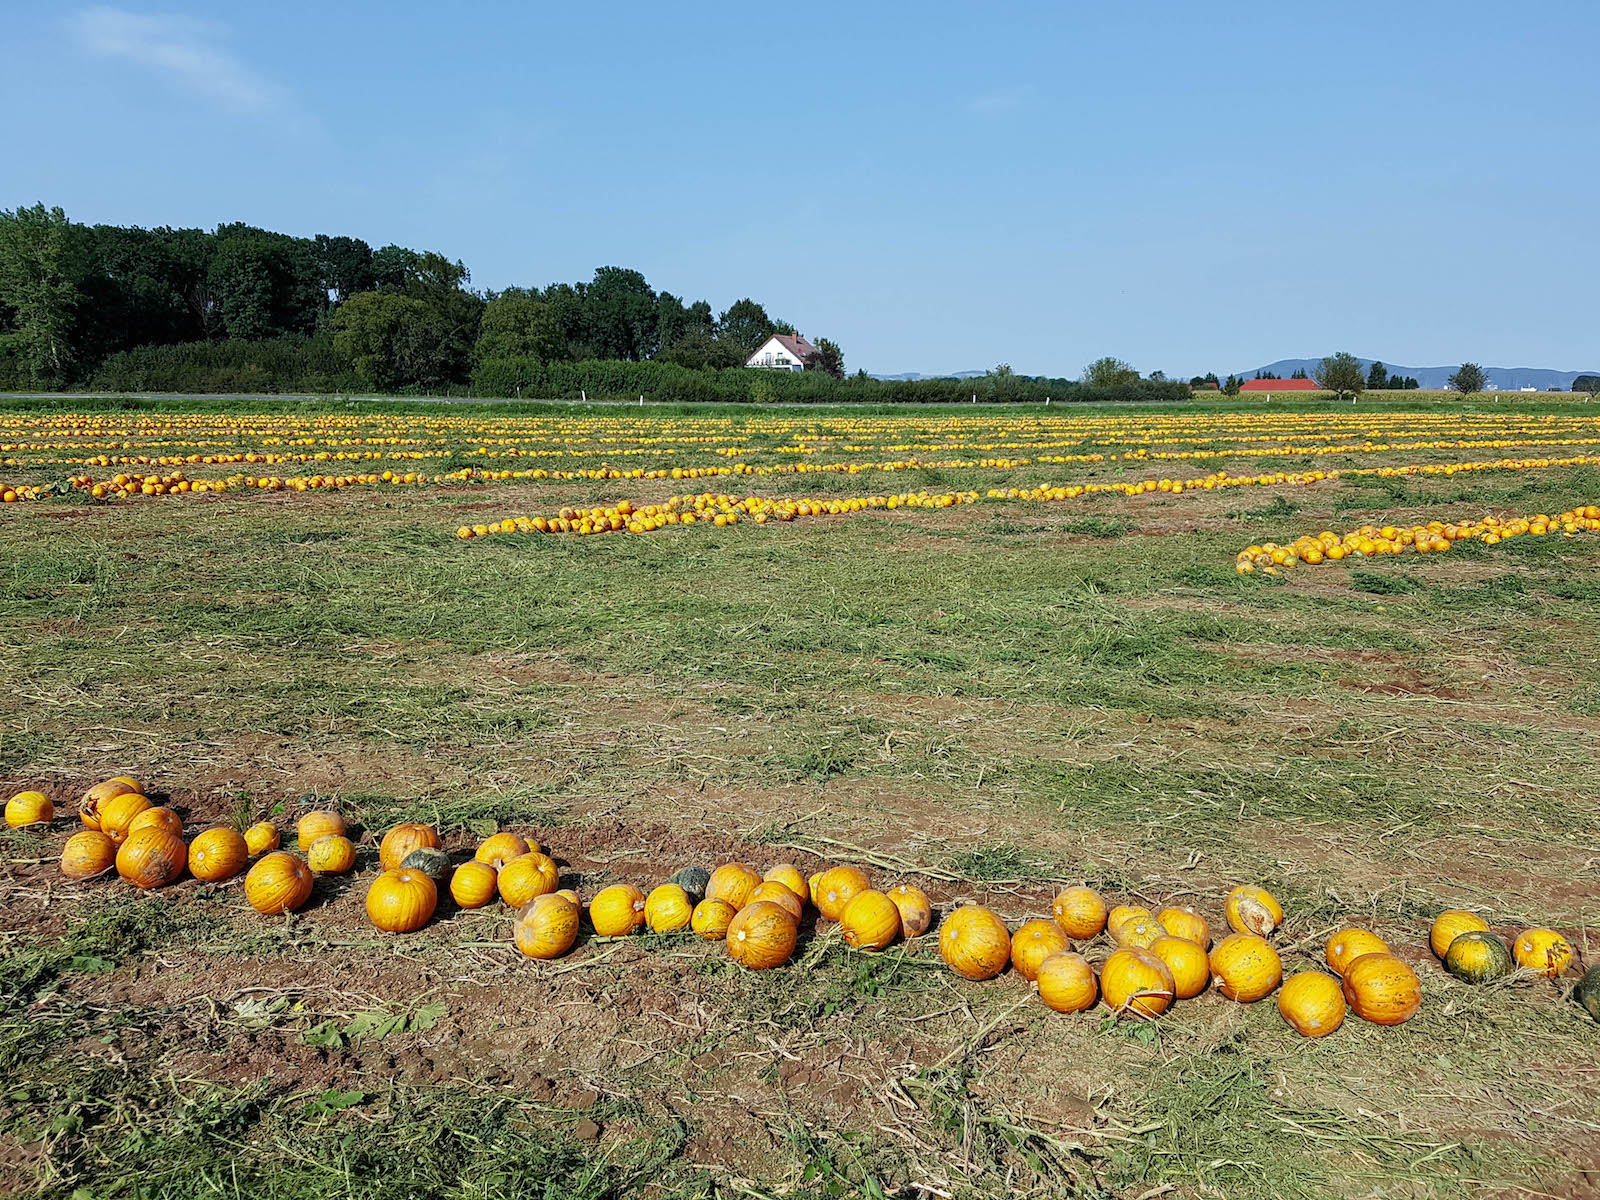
pixel 935 186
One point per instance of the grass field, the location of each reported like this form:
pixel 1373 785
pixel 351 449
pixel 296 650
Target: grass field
pixel 989 699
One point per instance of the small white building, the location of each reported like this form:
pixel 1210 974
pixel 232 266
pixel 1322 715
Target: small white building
pixel 782 352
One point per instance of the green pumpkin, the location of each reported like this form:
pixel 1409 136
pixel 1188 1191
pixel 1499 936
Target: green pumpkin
pixel 435 864
pixel 1478 957
pixel 1587 993
pixel 692 880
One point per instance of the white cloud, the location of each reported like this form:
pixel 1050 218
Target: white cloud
pixel 189 53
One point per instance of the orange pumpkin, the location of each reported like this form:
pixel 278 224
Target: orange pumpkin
pixel 117 813
pixel 1139 932
pixel 1191 969
pixel 331 854
pixel 401 841
pixel 29 808
pixel 500 848
pixel 789 875
pixel 217 854
pixel 279 882
pixel 837 887
pixel 546 927
pixel 870 921
pixel 617 910
pixel 1186 923
pixel 732 882
pixel 401 901
pixel 570 894
pixel 779 894
pixel 974 942
pixel 762 935
pixel 1313 1003
pixel 527 876
pixel 1032 943
pixel 314 824
pixel 1382 989
pixel 1067 983
pixel 261 837
pixel 1542 950
pixel 667 909
pixel 89 806
pixel 916 910
pixel 1081 912
pixel 811 887
pixel 1347 945
pixel 1136 981
pixel 1125 912
pixel 712 918
pixel 474 884
pixel 88 853
pixel 157 818
pixel 1246 967
pixel 152 858
pixel 1451 923
pixel 1251 909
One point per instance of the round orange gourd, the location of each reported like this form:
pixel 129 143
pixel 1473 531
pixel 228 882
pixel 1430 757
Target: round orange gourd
pixel 1542 950
pixel 617 910
pixel 474 884
pixel 1186 923
pixel 1313 1003
pixel 667 909
pixel 261 837
pixel 1191 969
pixel 526 876
pixel 1382 989
pixel 331 854
pixel 314 824
pixel 279 882
pixel 152 858
pixel 1067 983
pixel 1449 924
pixel 570 894
pixel 217 854
pixel 89 806
pixel 974 942
pixel 401 901
pixel 1125 912
pixel 29 808
pixel 762 935
pixel 1081 912
pixel 789 875
pixel 732 882
pixel 401 841
pixel 1347 945
pixel 916 910
pixel 837 887
pixel 546 927
pixel 498 849
pixel 870 921
pixel 1032 943
pixel 87 853
pixel 779 894
pixel 712 918
pixel 1136 981
pixel 1246 967
pixel 1251 909
pixel 157 818
pixel 1139 932
pixel 117 813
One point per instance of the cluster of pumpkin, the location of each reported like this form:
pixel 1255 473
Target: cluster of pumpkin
pixel 11 493
pixel 178 484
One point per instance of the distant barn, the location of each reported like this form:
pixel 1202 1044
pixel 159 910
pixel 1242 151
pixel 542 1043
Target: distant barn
pixel 1280 385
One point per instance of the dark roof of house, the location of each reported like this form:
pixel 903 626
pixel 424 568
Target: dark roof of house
pixel 795 345
pixel 1280 385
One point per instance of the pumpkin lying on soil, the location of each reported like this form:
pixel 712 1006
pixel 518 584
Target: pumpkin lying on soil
pixel 761 936
pixel 1313 1003
pixel 88 853
pixel 1136 981
pixel 1477 957
pixel 261 837
pixel 401 841
pixel 1033 942
pixel 117 813
pixel 152 857
pixel 732 882
pixel 29 808
pixel 712 918
pixel 435 864
pixel 217 854
pixel 1067 983
pixel 314 824
pixel 781 895
pixel 402 900
pixel 837 887
pixel 1125 912
pixel 870 921
pixel 1081 912
pixel 693 880
pixel 157 818
pixel 1382 989
pixel 1186 923
pixel 529 875
pixel 546 927
pixel 279 882
pixel 1246 967
pixel 1139 933
pixel 1347 945
pixel 974 942
pixel 1542 950
pixel 617 911
pixel 1188 962
pixel 916 910
pixel 667 909
pixel 1251 909
pixel 331 854
pixel 474 884
pixel 498 849
pixel 89 806
pixel 1451 923
pixel 789 875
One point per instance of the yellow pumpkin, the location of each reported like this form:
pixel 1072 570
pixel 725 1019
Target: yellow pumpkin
pixel 570 894
pixel 401 841
pixel 1246 967
pixel 1450 923
pixel 732 882
pixel 474 884
pixel 974 942
pixel 500 848
pixel 1191 969
pixel 712 918
pixel 279 882
pixel 331 854
pixel 29 808
pixel 1382 989
pixel 1067 983
pixel 546 927
pixel 1347 945
pixel 117 813
pixel 89 806
pixel 1125 912
pixel 157 818
pixel 811 887
pixel 526 876
pixel 1542 950
pixel 617 910
pixel 1136 981
pixel 1186 923
pixel 261 837
pixel 779 894
pixel 916 910
pixel 1252 909
pixel 762 935
pixel 1139 932
pixel 870 921
pixel 667 909
pixel 402 901
pixel 1313 1003
pixel 789 875
pixel 837 887
pixel 314 824
pixel 152 858
pixel 217 854
pixel 1032 943
pixel 1081 912
pixel 88 853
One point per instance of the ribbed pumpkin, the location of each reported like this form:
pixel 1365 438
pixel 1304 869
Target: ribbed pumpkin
pixel 157 818
pixel 314 824
pixel 546 927
pixel 1313 1003
pixel 779 894
pixel 1139 932
pixel 732 882
pixel 117 813
pixel 152 858
pixel 617 910
pixel 1136 981
pixel 789 875
pixel 570 894
pixel 217 854
pixel 974 942
pixel 529 875
pixel 498 849
pixel 1382 989
pixel 29 808
pixel 1246 967
pixel 1190 967
pixel 261 837
pixel 1186 923
pixel 474 884
pixel 1542 950
pixel 916 910
pixel 435 864
pixel 1451 923
pixel 1125 912
pixel 1032 943
pixel 1067 983
pixel 870 921
pixel 712 918
pixel 667 909
pixel 401 841
pixel 279 882
pixel 761 935
pixel 88 853
pixel 1081 912
pixel 89 806
pixel 402 900
pixel 1251 909
pixel 1347 945
pixel 837 887
pixel 331 854
pixel 811 887
pixel 1477 956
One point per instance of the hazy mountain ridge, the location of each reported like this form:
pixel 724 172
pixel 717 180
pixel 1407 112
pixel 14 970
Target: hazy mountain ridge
pixel 1505 379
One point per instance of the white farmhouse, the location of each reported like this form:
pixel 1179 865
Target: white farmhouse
pixel 783 352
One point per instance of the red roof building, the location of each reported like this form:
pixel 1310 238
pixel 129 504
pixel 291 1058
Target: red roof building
pixel 1280 385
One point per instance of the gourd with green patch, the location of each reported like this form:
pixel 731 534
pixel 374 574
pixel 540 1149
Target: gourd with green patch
pixel 692 880
pixel 435 864
pixel 1587 993
pixel 1478 957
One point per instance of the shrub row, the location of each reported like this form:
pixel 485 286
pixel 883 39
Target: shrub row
pixel 285 364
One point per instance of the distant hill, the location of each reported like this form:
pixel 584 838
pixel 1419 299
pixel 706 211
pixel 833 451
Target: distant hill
pixel 913 376
pixel 1505 379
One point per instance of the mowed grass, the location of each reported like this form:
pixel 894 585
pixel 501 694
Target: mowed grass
pixel 993 699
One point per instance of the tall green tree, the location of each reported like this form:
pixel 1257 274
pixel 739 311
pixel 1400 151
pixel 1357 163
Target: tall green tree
pixel 1378 378
pixel 1341 374
pixel 745 326
pixel 620 313
pixel 827 358
pixel 1109 372
pixel 396 342
pixel 518 323
pixel 39 283
pixel 1587 383
pixel 1468 378
pixel 345 266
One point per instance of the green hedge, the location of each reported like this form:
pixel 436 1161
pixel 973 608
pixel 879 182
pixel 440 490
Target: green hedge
pixel 286 364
